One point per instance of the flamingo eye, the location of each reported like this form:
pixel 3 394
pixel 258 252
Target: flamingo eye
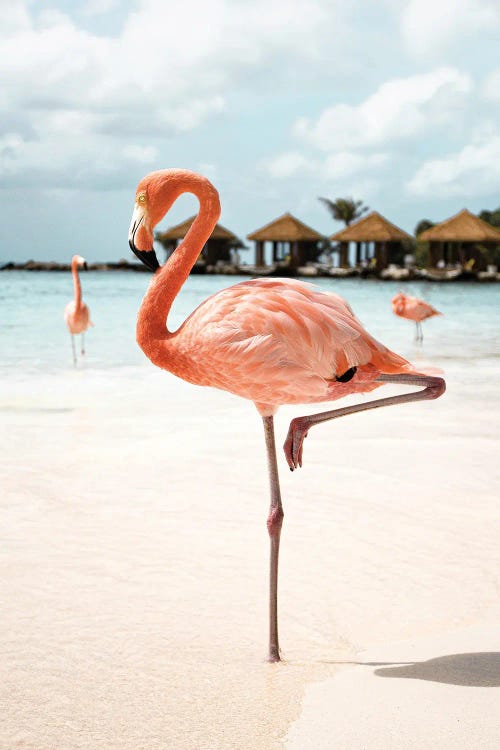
pixel 141 198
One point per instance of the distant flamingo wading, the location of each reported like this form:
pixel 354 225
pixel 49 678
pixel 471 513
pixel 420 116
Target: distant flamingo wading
pixel 76 313
pixel 415 309
pixel 273 341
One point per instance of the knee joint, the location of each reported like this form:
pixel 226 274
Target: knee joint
pixel 275 521
pixel 437 388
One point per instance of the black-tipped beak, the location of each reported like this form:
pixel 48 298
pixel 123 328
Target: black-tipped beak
pixel 148 257
pixel 85 266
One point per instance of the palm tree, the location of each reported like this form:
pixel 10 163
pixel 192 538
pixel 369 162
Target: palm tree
pixel 423 225
pixel 345 209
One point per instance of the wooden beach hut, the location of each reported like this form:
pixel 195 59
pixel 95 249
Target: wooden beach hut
pixel 459 239
pixel 377 242
pixel 294 243
pixel 218 247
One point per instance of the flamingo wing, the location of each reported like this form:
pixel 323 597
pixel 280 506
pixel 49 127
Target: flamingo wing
pixel 419 309
pixel 283 336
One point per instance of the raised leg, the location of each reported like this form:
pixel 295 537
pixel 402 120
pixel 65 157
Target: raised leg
pixel 73 348
pixel 274 523
pixel 433 388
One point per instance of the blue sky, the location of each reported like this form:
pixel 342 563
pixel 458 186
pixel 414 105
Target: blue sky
pixel 395 102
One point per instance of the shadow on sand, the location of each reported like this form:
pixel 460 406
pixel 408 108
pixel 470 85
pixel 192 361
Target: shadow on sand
pixel 470 670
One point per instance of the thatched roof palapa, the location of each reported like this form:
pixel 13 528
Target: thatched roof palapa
pixel 286 228
pixel 463 227
pixel 180 231
pixel 371 228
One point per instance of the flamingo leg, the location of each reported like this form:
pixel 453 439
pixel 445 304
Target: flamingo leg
pixel 433 388
pixel 83 344
pixel 73 348
pixel 420 334
pixel 274 523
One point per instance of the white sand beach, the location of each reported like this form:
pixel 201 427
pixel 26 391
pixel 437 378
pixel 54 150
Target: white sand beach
pixel 134 570
pixel 445 701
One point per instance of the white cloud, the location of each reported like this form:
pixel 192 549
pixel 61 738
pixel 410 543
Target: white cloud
pixel 140 154
pixel 168 71
pixel 15 17
pixel 79 108
pixel 430 27
pixel 83 164
pixel 401 108
pixel 475 170
pixel 98 7
pixel 207 169
pixel 347 163
pixel 335 166
pixel 491 86
pixel 288 164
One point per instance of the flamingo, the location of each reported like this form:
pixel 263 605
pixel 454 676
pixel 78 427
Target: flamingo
pixel 273 341
pixel 76 313
pixel 415 309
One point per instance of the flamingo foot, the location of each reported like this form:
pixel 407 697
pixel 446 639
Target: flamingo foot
pixel 274 655
pixel 294 443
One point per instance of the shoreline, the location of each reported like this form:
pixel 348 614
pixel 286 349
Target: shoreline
pixel 308 272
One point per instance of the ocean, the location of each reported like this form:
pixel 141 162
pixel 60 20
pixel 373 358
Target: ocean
pixel 34 338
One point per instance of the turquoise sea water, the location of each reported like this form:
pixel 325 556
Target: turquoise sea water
pixel 34 338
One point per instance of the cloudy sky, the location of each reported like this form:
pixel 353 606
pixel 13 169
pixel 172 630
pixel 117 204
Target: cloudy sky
pixel 395 102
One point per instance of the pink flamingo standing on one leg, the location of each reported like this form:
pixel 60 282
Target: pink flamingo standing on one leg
pixel 415 309
pixel 76 313
pixel 274 341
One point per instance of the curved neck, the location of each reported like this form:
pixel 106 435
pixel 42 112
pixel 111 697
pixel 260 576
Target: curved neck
pixel 76 283
pixel 167 282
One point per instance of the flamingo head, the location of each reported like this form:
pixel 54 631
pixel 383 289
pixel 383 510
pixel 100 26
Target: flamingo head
pixel 399 302
pixel 153 198
pixel 80 262
pixel 140 235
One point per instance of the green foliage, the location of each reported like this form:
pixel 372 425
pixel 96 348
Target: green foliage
pixel 422 254
pixel 423 225
pixel 491 217
pixel 345 209
pixel 492 254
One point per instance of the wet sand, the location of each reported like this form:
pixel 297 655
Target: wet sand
pixel 134 568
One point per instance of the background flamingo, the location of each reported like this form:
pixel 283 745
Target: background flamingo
pixel 274 341
pixel 76 313
pixel 415 309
